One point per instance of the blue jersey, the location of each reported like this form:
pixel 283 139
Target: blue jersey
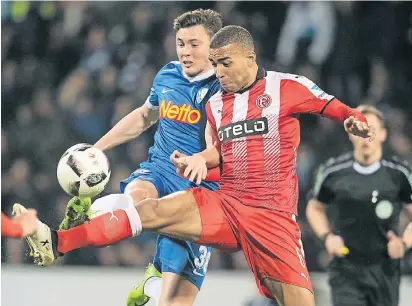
pixel 182 114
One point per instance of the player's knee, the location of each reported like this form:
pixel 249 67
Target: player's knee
pixel 289 295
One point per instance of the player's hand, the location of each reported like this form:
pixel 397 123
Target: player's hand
pixel 334 245
pixel 193 167
pixel 179 160
pixel 358 128
pixel 396 248
pixel 28 222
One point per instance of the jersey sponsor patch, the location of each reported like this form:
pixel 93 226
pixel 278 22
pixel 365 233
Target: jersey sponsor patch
pixel 184 113
pixel 243 128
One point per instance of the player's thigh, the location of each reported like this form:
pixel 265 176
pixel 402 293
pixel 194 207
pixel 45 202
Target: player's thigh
pixel 175 215
pixel 140 190
pixel 289 295
pixel 177 290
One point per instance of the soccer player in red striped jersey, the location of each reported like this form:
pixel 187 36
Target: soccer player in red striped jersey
pixel 254 122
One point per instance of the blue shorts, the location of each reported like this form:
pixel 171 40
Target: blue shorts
pixel 184 258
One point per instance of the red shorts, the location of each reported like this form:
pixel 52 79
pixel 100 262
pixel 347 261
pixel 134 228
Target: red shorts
pixel 269 239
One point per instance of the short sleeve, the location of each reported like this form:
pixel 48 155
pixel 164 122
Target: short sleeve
pixel 301 95
pixel 406 186
pixel 152 100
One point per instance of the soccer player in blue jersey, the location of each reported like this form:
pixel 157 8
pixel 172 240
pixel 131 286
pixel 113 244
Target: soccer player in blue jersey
pixel 177 101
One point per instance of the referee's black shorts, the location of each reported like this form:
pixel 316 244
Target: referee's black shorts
pixel 360 284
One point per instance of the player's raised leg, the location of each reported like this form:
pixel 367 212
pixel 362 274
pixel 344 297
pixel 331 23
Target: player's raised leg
pixel 176 215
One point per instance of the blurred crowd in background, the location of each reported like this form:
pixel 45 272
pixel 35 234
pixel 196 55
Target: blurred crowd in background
pixel 71 70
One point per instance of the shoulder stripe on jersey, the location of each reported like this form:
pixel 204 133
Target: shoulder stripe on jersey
pixel 324 172
pixel 400 168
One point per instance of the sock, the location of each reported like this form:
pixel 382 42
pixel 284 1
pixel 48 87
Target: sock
pixel 114 202
pixel 104 230
pixel 117 220
pixel 153 288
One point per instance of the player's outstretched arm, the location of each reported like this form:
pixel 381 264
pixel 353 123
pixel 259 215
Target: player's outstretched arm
pixel 129 127
pixel 304 96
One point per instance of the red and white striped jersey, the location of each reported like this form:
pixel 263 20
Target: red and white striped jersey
pixel 259 137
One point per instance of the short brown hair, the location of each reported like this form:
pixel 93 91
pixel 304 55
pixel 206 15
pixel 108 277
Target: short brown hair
pixel 372 110
pixel 232 34
pixel 209 19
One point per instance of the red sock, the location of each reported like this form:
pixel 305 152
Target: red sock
pixel 103 230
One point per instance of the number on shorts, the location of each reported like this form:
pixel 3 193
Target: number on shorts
pixel 203 261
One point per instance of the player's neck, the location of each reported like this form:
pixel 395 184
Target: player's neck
pixel 252 77
pixel 367 160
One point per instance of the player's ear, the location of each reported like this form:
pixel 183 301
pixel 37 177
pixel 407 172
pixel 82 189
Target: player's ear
pixel 251 56
pixel 384 134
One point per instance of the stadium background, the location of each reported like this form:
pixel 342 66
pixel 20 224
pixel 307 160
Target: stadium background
pixel 71 70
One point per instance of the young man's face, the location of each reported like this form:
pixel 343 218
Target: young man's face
pixel 364 145
pixel 232 66
pixel 192 47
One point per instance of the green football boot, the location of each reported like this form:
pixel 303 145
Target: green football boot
pixel 77 212
pixel 136 295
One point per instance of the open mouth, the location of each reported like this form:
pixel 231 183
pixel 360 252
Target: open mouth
pixel 187 63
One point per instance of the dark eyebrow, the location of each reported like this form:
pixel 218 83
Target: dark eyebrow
pixel 221 59
pixel 190 41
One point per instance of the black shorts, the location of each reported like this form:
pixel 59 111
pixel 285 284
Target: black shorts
pixel 354 284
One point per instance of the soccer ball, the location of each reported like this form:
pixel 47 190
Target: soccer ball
pixel 83 171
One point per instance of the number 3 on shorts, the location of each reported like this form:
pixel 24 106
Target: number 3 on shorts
pixel 203 261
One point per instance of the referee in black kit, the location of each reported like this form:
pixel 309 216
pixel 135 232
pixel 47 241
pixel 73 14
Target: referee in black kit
pixel 354 208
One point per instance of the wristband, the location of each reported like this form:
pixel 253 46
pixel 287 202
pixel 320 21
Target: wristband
pixel 324 236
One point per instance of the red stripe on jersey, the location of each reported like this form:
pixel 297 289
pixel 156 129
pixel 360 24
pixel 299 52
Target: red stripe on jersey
pixel 255 144
pixel 227 116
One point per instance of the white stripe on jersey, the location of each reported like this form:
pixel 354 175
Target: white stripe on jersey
pixel 400 168
pixel 271 141
pixel 216 105
pixel 239 145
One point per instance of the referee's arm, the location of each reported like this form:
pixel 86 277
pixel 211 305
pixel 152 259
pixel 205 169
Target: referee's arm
pixel 316 215
pixel 407 234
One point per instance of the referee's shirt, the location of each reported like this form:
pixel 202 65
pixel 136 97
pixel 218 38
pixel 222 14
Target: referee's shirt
pixel 364 203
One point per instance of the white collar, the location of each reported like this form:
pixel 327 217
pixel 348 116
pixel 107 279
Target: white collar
pixel 199 77
pixel 365 170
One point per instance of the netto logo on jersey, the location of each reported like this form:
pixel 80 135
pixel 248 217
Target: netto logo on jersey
pixel 183 113
pixel 243 128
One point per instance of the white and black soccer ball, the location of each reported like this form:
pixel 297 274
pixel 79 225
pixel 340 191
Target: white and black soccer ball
pixel 83 171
